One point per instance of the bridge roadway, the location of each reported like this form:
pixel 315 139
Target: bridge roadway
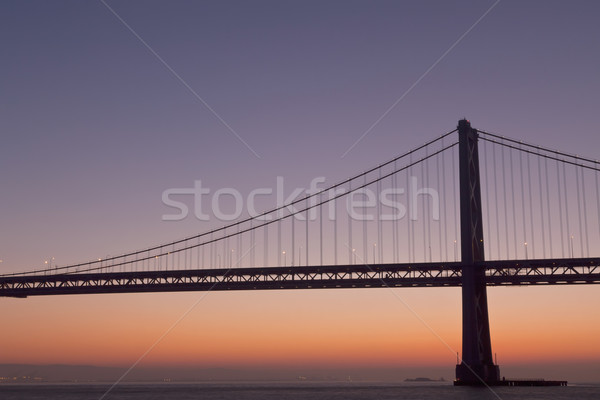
pixel 498 273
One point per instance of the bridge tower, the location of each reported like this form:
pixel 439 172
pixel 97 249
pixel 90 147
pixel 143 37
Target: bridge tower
pixel 477 366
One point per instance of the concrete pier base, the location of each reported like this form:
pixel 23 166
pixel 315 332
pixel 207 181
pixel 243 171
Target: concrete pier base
pixel 476 375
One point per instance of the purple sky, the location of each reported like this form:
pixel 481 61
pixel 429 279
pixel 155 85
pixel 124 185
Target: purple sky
pixel 94 127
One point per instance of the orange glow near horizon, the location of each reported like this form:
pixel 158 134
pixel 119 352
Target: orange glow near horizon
pixel 364 327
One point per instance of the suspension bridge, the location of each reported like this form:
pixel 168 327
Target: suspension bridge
pixel 470 208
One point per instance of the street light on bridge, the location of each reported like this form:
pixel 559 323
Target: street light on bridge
pixel 455 251
pixel 374 248
pixel 572 251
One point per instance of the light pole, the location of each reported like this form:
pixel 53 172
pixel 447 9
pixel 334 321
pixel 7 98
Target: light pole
pixel 284 259
pixel 300 256
pixel 455 251
pixel 354 256
pixel 374 248
pixel 231 259
pixel 572 252
pixel 526 257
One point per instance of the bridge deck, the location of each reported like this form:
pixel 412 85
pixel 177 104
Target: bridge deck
pixel 518 272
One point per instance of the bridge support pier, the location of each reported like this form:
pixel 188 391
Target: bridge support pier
pixel 477 366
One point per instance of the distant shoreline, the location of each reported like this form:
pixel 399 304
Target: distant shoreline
pixel 421 379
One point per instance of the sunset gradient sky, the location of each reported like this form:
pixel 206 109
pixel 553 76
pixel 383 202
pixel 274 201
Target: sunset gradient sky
pixel 94 128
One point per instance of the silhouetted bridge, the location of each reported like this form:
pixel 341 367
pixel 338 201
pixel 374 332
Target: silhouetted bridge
pixel 549 207
pixel 497 273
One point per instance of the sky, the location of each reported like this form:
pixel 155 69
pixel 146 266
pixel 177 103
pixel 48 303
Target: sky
pixel 105 105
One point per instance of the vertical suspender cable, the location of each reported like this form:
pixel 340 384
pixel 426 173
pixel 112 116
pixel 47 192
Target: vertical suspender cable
pixel 505 206
pixel 188 252
pixel 523 198
pixel 424 210
pixel 320 210
pixel 379 222
pixel 437 162
pixel 225 247
pixel 410 210
pixel 239 247
pixel 514 210
pixel 335 233
pixel 444 195
pixel 561 233
pixel 167 261
pixel 252 245
pixel 542 204
pixel 495 169
pixel 427 214
pixel 486 239
pixel 212 251
pixel 293 245
pixel 456 203
pixel 569 234
pixel 278 240
pixel 529 184
pixel 597 201
pixel 350 248
pixel 306 234
pixel 585 219
pixel 547 209
pixel 364 226
pixel 579 209
pixel 395 220
pixel 266 246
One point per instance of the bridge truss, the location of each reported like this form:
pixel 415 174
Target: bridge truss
pixel 497 273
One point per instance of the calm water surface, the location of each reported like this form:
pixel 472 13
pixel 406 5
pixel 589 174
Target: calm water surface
pixel 292 391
